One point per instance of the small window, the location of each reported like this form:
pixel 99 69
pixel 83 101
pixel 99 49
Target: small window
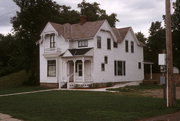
pixel 126 46
pixel 102 67
pixel 98 42
pixel 83 43
pixel 132 47
pixel 115 44
pixel 51 68
pixel 105 59
pixel 139 65
pixel 108 43
pixel 52 41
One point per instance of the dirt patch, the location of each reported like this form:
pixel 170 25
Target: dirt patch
pixel 160 93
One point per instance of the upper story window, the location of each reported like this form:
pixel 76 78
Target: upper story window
pixel 115 44
pixel 102 67
pixel 51 68
pixel 83 43
pixel 52 41
pixel 98 42
pixel 126 46
pixel 105 59
pixel 132 47
pixel 139 65
pixel 108 43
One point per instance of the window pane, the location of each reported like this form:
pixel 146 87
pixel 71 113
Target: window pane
pixel 115 68
pixel 98 42
pixel 108 44
pixel 102 67
pixel 105 59
pixel 132 47
pixel 51 68
pixel 126 46
pixel 115 44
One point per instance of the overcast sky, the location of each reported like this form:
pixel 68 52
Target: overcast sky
pixel 136 13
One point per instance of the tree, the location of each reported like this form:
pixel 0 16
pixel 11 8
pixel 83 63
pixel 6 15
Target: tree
pixel 155 44
pixel 176 33
pixel 140 36
pixel 93 12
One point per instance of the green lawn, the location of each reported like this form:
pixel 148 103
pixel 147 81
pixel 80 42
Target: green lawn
pixel 82 106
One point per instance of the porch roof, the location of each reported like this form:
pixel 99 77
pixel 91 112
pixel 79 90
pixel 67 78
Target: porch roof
pixel 77 52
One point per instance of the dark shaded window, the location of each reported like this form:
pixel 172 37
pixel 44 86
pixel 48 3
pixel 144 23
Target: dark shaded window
pixel 115 44
pixel 51 68
pixel 139 65
pixel 102 67
pixel 126 46
pixel 83 43
pixel 105 59
pixel 119 68
pixel 52 41
pixel 132 47
pixel 98 42
pixel 108 43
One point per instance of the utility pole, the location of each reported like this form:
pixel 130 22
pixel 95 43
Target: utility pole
pixel 170 88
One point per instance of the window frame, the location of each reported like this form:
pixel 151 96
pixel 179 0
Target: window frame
pixel 52 41
pixel 109 43
pixel 119 68
pixel 99 42
pixel 51 65
pixel 127 46
pixel 83 43
pixel 132 47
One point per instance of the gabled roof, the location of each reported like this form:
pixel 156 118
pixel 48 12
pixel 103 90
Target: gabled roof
pixel 123 31
pixel 78 31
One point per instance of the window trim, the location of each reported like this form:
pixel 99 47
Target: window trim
pixel 102 67
pixel 119 68
pixel 48 66
pixel 127 46
pixel 52 41
pixel 99 42
pixel 108 43
pixel 83 43
pixel 132 47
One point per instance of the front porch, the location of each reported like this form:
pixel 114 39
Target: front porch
pixel 79 71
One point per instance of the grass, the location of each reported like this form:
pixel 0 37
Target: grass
pixel 136 88
pixel 21 89
pixel 13 80
pixel 82 106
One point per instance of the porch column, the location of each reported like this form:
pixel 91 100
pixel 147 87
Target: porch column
pixel 83 69
pixel 74 72
pixel 67 74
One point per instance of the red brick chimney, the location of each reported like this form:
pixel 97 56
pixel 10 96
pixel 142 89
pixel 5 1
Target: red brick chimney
pixel 82 19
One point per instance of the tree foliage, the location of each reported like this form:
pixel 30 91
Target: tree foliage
pixel 93 12
pixel 141 37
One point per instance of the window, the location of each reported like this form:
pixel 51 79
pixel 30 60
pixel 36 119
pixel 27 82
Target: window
pixel 139 65
pixel 98 42
pixel 79 69
pixel 132 47
pixel 51 68
pixel 115 44
pixel 83 43
pixel 126 46
pixel 52 41
pixel 105 59
pixel 119 68
pixel 108 43
pixel 102 67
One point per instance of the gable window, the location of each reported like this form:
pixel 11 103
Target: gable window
pixel 115 44
pixel 139 65
pixel 98 42
pixel 83 43
pixel 108 43
pixel 126 46
pixel 102 67
pixel 119 68
pixel 52 41
pixel 51 68
pixel 105 59
pixel 132 47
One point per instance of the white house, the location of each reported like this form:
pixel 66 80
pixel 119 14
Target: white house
pixel 87 53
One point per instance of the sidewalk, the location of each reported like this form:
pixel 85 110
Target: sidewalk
pixel 168 117
pixel 5 117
